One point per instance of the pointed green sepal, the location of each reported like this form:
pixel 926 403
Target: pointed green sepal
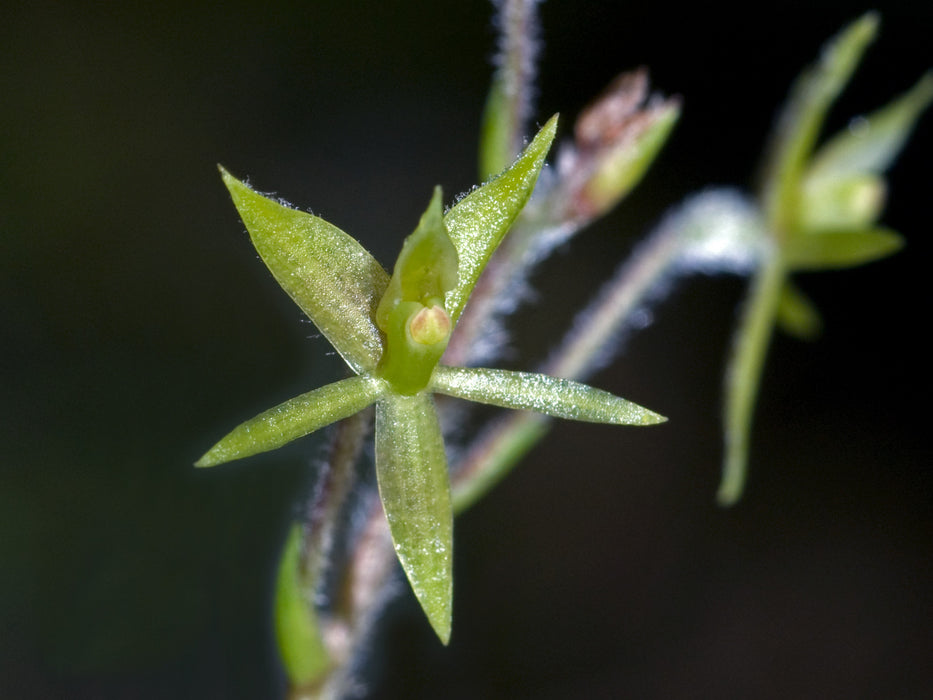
pixel 825 250
pixel 297 633
pixel 560 398
pixel 796 314
pixel 871 143
pixel 479 221
pixel 334 280
pixel 411 468
pixel 427 266
pixel 802 118
pixel 295 418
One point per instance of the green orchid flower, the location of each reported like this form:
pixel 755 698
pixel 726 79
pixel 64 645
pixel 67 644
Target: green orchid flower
pixel 820 210
pixel 392 332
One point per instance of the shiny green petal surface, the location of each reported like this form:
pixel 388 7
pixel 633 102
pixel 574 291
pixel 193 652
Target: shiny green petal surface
pixel 295 418
pixel 479 221
pixel 560 398
pixel 334 280
pixel 411 468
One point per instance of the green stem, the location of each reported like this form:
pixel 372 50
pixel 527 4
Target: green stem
pixel 744 374
pixel 508 106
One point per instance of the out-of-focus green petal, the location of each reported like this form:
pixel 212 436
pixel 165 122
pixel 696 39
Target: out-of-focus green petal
pixel 411 469
pixel 743 376
pixel 560 398
pixel 334 280
pixel 297 633
pixel 800 122
pixel 479 221
pixel 295 418
pixel 796 314
pixel 846 202
pixel 871 143
pixel 826 250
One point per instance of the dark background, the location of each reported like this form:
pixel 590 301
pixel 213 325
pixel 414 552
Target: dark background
pixel 138 325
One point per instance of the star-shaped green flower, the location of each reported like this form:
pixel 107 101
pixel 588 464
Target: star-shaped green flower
pixel 392 332
pixel 820 209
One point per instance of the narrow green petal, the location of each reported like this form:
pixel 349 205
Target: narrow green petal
pixel 560 398
pixel 871 143
pixel 479 221
pixel 334 280
pixel 743 376
pixel 297 633
pixel 411 314
pixel 295 418
pixel 426 267
pixel 837 249
pixel 411 469
pixel 800 122
pixel 796 314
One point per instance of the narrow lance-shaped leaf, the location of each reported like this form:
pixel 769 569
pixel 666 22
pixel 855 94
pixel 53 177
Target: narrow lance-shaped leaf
pixel 479 221
pixel 560 398
pixel 295 418
pixel 411 469
pixel 825 250
pixel 297 633
pixel 334 280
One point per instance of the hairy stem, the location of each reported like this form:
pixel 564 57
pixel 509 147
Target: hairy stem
pixel 510 101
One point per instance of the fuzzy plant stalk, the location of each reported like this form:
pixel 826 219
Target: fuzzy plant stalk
pixel 414 337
